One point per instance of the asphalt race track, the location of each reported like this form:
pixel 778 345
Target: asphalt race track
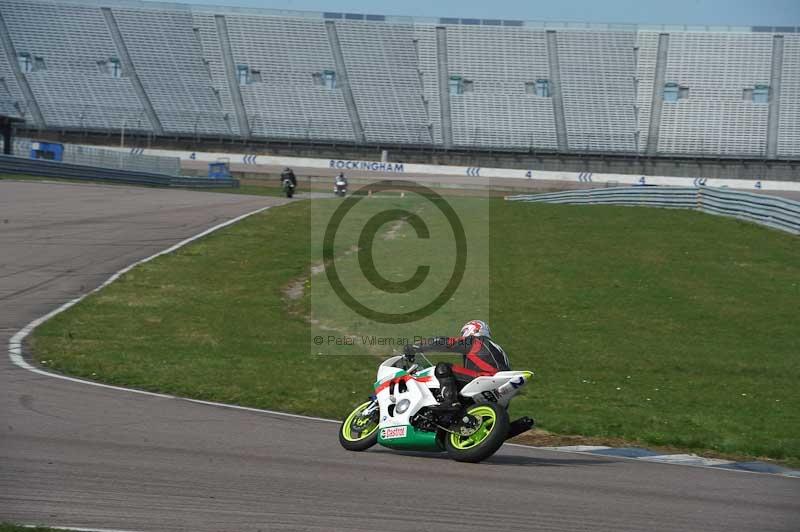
pixel 84 456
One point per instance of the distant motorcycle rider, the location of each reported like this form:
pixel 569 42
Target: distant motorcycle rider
pixel 340 185
pixel 289 174
pixel 482 356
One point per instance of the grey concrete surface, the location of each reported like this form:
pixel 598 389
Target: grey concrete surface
pixel 78 455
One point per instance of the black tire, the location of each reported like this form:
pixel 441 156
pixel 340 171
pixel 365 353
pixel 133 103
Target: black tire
pixel 486 447
pixel 359 444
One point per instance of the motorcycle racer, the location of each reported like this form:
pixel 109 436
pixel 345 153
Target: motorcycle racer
pixel 288 173
pixel 410 409
pixel 481 356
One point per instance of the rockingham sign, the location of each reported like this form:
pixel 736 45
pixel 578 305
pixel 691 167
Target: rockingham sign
pixel 372 166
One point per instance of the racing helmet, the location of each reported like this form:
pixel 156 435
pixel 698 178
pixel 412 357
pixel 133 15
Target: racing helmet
pixel 476 328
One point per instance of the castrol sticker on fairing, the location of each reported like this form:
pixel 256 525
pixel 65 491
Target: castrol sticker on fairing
pixel 393 432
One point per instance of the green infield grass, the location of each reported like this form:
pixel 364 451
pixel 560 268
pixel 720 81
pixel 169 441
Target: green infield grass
pixel 658 327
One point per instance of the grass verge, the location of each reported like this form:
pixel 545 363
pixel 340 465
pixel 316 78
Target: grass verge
pixel 666 328
pixel 257 187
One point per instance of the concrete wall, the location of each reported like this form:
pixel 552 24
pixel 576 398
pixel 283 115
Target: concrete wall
pixel 729 168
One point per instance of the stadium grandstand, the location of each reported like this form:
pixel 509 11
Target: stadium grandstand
pixel 178 70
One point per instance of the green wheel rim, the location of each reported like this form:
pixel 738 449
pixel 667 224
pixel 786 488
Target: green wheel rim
pixel 369 426
pixel 487 417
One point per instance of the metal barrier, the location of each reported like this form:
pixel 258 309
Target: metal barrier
pixel 20 166
pixel 778 213
pixel 93 156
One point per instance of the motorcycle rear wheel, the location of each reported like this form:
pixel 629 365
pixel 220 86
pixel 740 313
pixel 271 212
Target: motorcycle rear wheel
pixel 359 433
pixel 485 440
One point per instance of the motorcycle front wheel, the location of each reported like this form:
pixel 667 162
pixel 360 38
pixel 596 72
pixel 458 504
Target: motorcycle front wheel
pixel 485 440
pixel 359 432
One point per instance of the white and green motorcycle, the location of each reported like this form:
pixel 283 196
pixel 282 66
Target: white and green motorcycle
pixel 405 413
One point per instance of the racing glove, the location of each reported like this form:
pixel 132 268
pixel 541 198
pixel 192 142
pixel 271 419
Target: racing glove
pixel 410 351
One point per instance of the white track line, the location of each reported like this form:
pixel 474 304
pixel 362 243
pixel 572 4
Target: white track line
pixel 78 529
pixel 791 474
pixel 15 343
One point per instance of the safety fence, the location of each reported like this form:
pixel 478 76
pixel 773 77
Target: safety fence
pixel 251 162
pixel 39 168
pixel 778 213
pixel 106 158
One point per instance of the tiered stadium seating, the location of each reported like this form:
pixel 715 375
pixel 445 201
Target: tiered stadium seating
pixel 498 112
pixel 789 125
pixel 231 72
pixel 286 103
pixel 646 58
pixel 70 88
pixel 597 71
pixel 382 68
pixel 167 58
pixel 425 37
pixel 211 52
pixel 715 119
pixel 90 100
pixel 11 98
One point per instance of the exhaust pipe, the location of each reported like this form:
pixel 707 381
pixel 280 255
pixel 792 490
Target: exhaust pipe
pixel 519 426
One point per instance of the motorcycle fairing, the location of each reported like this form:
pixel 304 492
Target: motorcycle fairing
pixel 499 388
pixel 396 390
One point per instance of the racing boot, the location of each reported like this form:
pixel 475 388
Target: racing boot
pixel 448 389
